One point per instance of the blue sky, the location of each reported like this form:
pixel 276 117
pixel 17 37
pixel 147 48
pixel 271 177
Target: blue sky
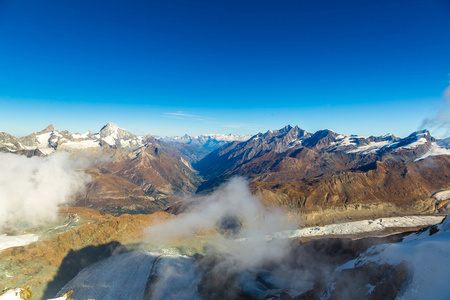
pixel 174 67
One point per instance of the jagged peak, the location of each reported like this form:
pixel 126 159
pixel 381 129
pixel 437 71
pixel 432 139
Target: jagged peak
pixel 418 134
pixel 274 132
pixel 110 126
pixel 287 127
pixel 324 132
pixel 421 132
pixel 387 135
pixel 49 128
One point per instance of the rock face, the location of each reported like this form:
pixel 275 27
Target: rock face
pixel 372 281
pixel 155 172
pixel 117 195
pixel 146 180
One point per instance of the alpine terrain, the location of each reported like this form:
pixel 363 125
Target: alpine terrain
pixel 286 214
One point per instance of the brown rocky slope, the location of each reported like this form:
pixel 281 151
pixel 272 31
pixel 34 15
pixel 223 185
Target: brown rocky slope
pixel 148 179
pixel 379 189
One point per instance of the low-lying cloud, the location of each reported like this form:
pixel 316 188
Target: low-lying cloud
pixel 240 216
pixel 32 189
pixel 234 260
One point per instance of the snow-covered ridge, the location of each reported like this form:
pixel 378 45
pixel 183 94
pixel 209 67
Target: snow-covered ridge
pixel 356 227
pixel 186 139
pixel 442 195
pixel 387 142
pixel 50 140
pixel 440 147
pixel 327 140
pixel 174 276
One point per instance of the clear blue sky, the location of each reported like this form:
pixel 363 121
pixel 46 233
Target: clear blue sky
pixel 173 67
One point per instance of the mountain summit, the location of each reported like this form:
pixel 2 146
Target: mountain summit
pixel 113 135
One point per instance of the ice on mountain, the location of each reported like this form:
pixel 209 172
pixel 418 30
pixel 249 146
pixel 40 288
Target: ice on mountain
pixel 9 241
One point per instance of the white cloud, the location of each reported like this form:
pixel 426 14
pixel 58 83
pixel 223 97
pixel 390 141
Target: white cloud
pixel 32 189
pixel 447 94
pixel 231 206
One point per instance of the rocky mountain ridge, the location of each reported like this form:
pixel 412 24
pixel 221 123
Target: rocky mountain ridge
pixel 145 174
pixel 290 154
pixel 50 139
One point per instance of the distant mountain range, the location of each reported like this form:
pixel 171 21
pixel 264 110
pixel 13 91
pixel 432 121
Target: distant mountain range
pixel 49 140
pixel 197 147
pixel 292 153
pixel 286 139
pixel 289 167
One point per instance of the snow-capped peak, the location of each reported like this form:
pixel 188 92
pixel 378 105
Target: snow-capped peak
pixel 387 135
pixel 113 135
pixel 109 129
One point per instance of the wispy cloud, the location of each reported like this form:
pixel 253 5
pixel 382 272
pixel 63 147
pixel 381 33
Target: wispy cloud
pixel 236 125
pixel 181 115
pixel 441 122
pixel 173 117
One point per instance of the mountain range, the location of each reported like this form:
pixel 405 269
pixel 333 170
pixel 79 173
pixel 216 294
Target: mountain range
pixel 331 176
pixel 96 247
pixel 307 172
pixel 50 139
pixel 129 173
